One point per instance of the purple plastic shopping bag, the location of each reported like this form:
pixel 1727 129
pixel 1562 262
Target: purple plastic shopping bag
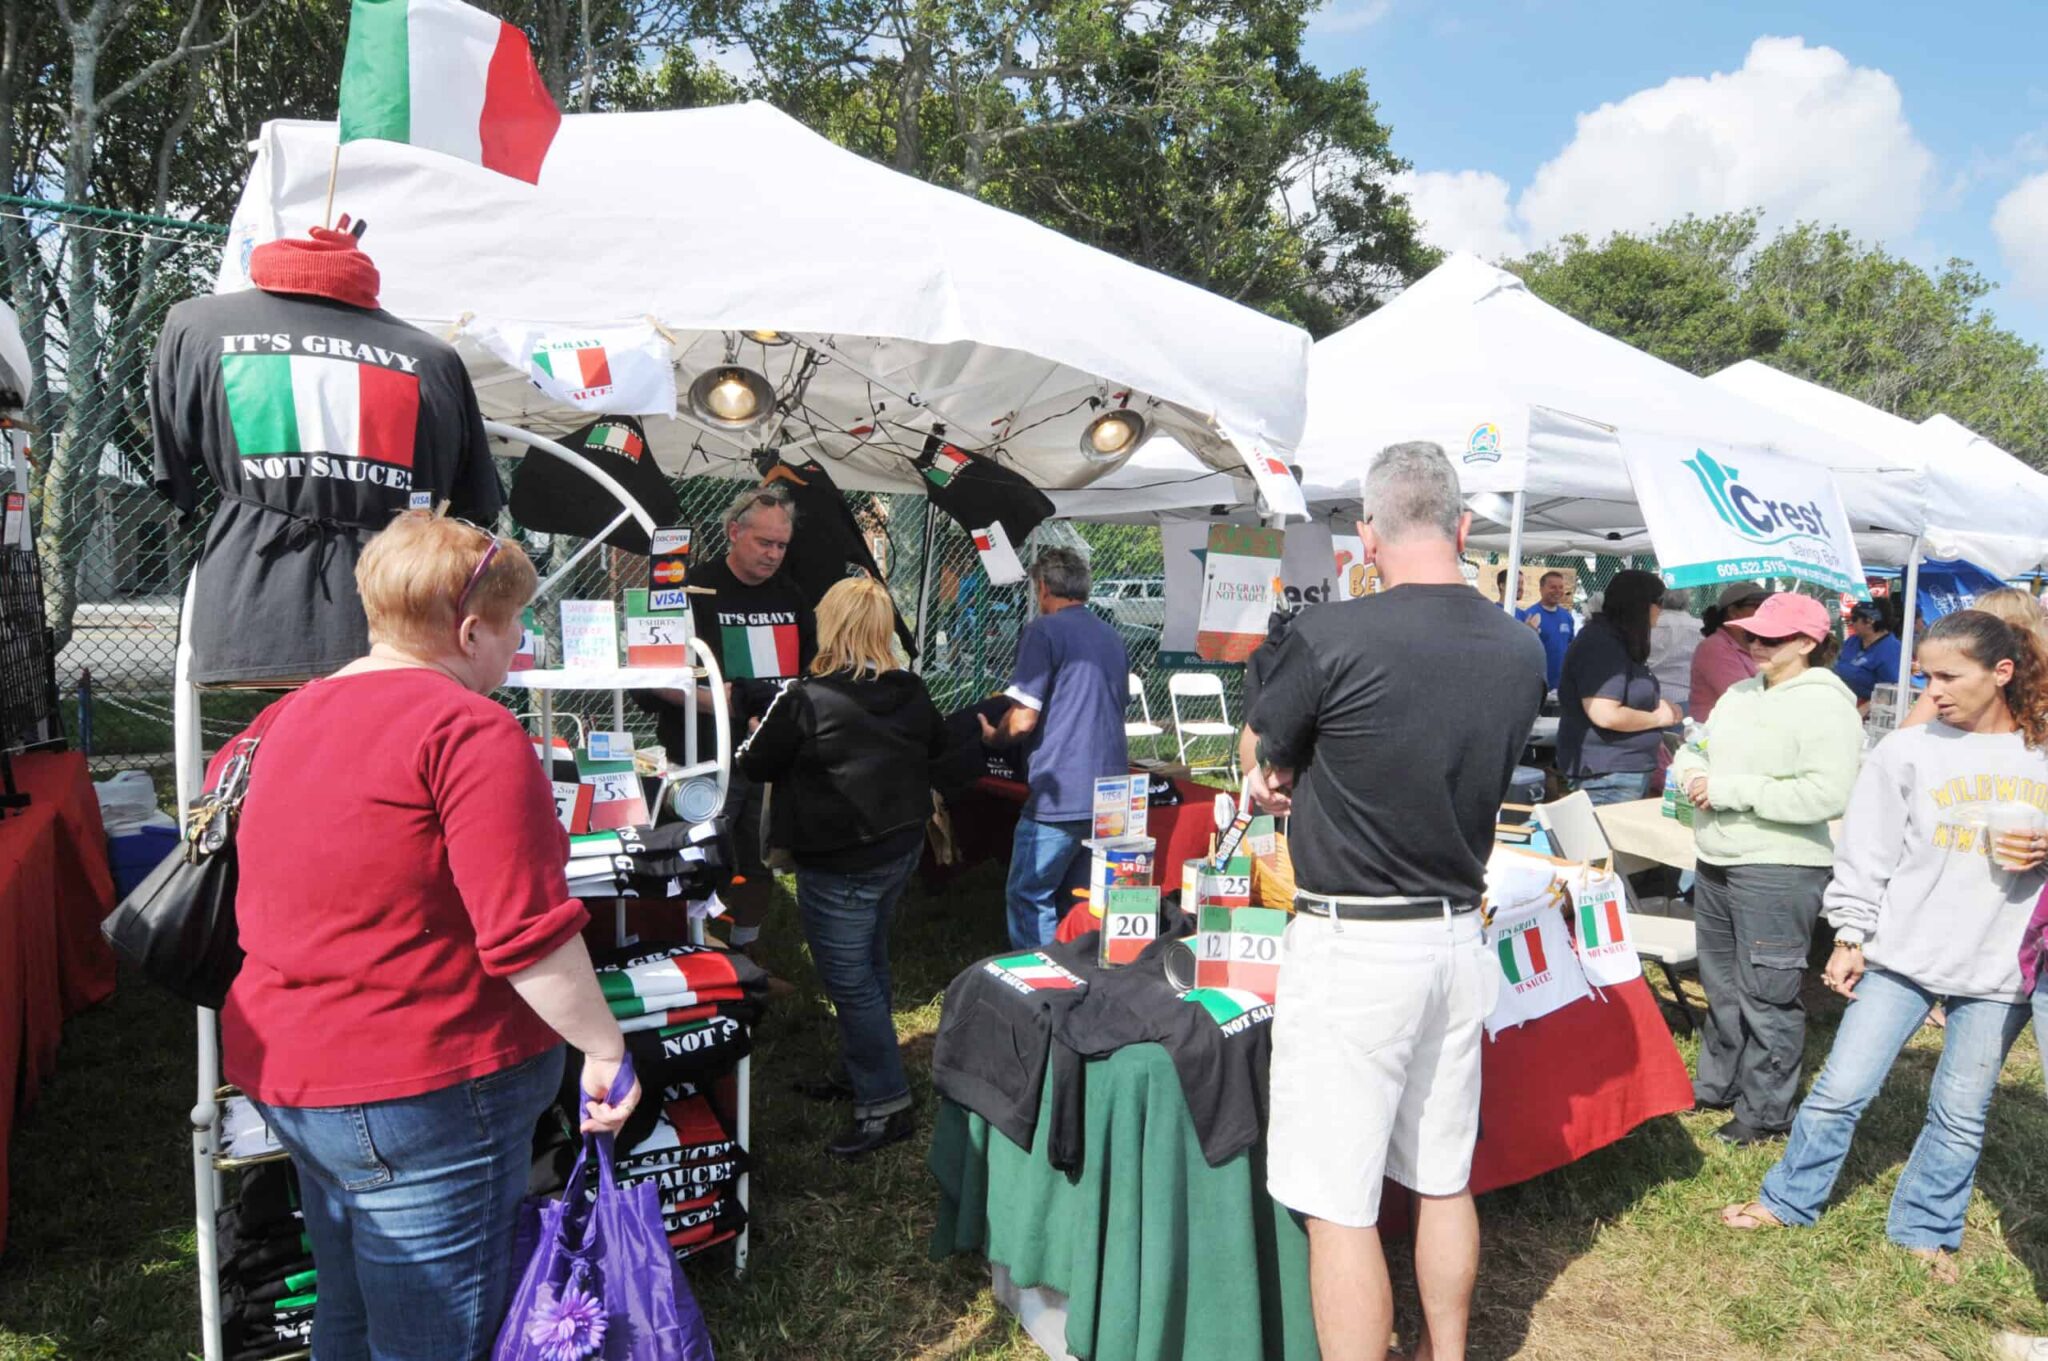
pixel 601 1283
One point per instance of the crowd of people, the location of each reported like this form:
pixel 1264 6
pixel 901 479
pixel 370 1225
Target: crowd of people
pixel 441 934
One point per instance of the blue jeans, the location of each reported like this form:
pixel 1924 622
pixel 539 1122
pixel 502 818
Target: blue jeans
pixel 1620 787
pixel 1933 1191
pixel 1039 859
pixel 411 1206
pixel 846 918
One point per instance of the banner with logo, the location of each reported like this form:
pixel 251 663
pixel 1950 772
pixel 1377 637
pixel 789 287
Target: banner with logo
pixel 1716 516
pixel 1355 576
pixel 623 370
pixel 1307 576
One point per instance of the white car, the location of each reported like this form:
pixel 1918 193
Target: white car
pixel 1132 602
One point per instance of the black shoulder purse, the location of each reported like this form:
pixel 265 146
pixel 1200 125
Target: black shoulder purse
pixel 178 926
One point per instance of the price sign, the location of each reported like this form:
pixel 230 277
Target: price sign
pixel 590 635
pixel 1239 947
pixel 652 638
pixel 1130 922
pixel 611 746
pixel 572 805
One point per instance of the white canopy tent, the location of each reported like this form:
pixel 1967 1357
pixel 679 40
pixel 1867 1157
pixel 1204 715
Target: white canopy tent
pixel 896 305
pixel 1982 503
pixel 1536 406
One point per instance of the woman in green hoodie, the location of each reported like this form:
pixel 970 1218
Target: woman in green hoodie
pixel 1778 762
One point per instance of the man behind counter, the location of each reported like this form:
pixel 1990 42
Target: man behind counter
pixel 756 623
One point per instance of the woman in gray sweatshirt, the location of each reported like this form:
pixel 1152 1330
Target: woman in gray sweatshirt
pixel 1936 873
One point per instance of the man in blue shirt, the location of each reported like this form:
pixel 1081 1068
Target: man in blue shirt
pixel 1071 685
pixel 1554 624
pixel 1870 652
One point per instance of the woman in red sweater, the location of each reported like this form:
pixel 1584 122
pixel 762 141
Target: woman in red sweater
pixel 414 961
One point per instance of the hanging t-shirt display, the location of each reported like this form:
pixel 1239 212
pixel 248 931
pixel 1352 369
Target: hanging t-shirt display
pixel 550 496
pixel 978 492
pixel 318 421
pixel 1530 947
pixel 828 545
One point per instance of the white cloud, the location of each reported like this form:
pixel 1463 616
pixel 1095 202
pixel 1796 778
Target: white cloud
pixel 1463 210
pixel 2020 222
pixel 1342 18
pixel 1797 131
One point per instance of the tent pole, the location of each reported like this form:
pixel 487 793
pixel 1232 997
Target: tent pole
pixel 1904 700
pixel 1507 597
pixel 924 590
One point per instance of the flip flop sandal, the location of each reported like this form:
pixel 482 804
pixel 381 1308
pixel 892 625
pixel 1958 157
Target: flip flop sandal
pixel 1755 1213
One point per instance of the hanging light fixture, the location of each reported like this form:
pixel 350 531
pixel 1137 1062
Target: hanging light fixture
pixel 1112 435
pixel 731 397
pixel 766 337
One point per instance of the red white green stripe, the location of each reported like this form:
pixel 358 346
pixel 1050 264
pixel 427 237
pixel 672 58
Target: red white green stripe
pixel 758 651
pixel 620 439
pixel 946 466
pixel 1036 970
pixel 576 366
pixel 1521 954
pixel 1600 922
pixel 444 76
pixel 1225 1004
pixel 308 404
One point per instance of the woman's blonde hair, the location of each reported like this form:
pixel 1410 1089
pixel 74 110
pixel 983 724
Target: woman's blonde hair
pixel 2016 608
pixel 856 628
pixel 411 576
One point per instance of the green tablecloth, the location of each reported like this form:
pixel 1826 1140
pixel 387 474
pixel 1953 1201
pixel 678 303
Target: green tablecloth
pixel 1161 1257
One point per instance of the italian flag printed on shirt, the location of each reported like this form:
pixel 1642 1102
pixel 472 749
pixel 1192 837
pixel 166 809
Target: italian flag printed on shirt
pixel 444 76
pixel 619 439
pixel 758 651
pixel 1225 1004
pixel 1600 923
pixel 306 404
pixel 579 366
pixel 1035 971
pixel 945 467
pixel 666 977
pixel 1521 954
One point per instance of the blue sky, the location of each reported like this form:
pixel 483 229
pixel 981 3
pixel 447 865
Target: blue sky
pixel 1923 127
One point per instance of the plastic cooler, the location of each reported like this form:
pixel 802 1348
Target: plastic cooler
pixel 134 854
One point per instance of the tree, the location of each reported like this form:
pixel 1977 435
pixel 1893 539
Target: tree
pixel 1704 293
pixel 1185 135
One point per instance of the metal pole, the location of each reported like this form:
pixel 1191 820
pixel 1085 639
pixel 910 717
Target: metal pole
pixel 1904 700
pixel 924 593
pixel 1507 597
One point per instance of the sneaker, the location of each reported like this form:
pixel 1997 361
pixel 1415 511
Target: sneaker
pixel 2020 1347
pixel 863 1137
pixel 1744 1136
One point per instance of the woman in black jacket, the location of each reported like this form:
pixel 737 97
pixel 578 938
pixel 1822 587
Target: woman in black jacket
pixel 848 749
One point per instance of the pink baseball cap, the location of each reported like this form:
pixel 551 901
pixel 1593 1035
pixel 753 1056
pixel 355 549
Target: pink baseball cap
pixel 1785 615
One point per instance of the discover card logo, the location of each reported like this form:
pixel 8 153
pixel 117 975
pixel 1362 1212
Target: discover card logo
pixel 1755 517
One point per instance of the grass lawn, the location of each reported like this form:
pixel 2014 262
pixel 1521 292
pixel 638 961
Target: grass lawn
pixel 1618 1255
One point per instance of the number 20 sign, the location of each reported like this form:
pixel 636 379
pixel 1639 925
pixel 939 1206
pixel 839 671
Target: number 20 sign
pixel 1239 947
pixel 1130 922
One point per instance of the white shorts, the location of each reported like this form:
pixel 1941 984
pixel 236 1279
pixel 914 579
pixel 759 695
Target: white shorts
pixel 1376 1031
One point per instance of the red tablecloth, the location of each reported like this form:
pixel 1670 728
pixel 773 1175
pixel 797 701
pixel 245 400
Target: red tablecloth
pixel 55 889
pixel 985 821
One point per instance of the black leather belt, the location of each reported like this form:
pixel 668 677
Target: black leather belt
pixel 1375 909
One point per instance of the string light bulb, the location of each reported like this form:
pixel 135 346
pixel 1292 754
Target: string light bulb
pixel 1112 435
pixel 731 397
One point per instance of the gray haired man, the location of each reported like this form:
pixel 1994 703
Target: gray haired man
pixel 1069 691
pixel 1390 725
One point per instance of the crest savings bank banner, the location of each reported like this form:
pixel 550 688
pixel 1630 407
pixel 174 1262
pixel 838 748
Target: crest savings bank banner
pixel 1716 517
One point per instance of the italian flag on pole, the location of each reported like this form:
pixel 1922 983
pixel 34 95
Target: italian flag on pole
pixel 441 75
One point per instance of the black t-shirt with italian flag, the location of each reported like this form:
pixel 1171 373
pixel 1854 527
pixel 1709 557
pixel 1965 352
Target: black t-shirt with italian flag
pixel 318 421
pixel 762 635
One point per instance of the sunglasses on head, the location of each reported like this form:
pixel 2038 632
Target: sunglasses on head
pixel 483 564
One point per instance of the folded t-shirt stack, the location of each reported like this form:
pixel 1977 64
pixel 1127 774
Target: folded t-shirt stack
pixel 677 860
pixel 266 1267
pixel 653 986
pixel 695 1161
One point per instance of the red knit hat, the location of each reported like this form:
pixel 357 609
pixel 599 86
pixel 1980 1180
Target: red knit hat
pixel 330 264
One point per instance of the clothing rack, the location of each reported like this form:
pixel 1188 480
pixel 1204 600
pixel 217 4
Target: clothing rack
pixel 209 1167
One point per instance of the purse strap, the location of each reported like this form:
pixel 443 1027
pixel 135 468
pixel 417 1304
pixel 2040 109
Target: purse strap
pixel 213 817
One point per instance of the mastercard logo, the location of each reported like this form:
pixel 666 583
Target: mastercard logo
pixel 669 573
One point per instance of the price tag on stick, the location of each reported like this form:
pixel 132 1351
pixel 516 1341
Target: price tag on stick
pixel 1130 922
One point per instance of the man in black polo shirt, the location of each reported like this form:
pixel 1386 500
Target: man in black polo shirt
pixel 1390 725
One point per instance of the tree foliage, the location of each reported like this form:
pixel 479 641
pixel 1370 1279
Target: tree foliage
pixel 1815 302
